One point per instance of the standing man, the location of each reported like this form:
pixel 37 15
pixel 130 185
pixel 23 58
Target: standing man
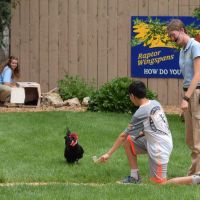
pixel 189 61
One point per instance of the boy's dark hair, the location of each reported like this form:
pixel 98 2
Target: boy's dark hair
pixel 138 89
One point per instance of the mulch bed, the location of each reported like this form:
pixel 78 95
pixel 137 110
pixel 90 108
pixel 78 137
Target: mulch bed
pixel 167 109
pixel 42 109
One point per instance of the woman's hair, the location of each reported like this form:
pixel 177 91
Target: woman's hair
pixel 176 25
pixel 16 71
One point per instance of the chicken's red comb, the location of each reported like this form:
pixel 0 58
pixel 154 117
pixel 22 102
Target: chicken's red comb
pixel 74 136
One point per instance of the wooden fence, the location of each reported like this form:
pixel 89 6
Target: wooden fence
pixel 90 38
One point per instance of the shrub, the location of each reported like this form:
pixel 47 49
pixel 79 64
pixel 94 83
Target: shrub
pixel 74 86
pixel 113 97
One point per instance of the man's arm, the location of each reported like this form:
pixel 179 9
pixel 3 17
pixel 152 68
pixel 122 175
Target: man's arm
pixel 194 82
pixel 122 137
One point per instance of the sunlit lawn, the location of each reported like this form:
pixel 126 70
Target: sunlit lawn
pixel 32 146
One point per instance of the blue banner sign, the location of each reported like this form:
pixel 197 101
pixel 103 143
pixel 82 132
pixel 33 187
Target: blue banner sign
pixel 153 55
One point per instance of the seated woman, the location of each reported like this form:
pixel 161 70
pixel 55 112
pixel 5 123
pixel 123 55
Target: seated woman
pixel 9 73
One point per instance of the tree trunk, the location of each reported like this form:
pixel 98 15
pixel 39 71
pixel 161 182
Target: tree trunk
pixel 2 55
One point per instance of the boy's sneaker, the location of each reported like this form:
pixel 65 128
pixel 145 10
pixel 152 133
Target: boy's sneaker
pixel 196 178
pixel 130 180
pixel 197 174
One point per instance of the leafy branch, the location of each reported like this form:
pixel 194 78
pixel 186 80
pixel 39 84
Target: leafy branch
pixel 5 16
pixel 196 13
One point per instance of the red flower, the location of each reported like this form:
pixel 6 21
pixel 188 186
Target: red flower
pixel 197 38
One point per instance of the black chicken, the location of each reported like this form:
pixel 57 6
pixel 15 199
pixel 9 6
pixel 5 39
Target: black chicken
pixel 73 151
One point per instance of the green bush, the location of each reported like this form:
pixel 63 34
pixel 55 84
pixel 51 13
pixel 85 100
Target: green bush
pixel 113 97
pixel 74 86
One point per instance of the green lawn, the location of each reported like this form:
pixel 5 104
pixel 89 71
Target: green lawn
pixel 32 146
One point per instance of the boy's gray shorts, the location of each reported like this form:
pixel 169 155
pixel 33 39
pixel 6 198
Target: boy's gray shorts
pixel 158 171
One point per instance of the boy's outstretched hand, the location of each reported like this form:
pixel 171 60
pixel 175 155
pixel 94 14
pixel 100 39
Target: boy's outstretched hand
pixel 104 158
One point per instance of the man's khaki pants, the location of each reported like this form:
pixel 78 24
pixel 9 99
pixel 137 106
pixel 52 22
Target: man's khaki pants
pixel 192 125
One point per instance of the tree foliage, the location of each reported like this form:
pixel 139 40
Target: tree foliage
pixel 196 13
pixel 5 16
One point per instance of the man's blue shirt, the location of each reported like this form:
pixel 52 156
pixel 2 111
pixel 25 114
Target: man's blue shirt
pixel 186 61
